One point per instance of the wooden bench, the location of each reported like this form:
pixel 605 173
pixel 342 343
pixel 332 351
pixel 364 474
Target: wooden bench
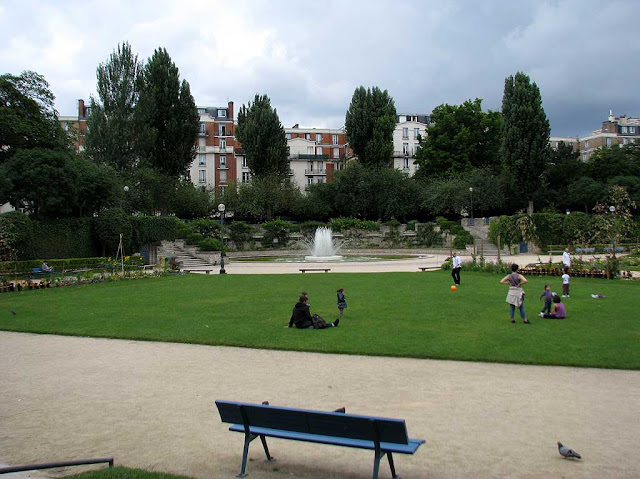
pixel 428 268
pixel 303 270
pixel 384 436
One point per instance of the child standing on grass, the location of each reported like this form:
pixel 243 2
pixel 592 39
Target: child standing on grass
pixel 342 301
pixel 558 311
pixel 547 295
pixel 565 283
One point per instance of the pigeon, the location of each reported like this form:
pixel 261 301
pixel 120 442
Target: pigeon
pixel 568 453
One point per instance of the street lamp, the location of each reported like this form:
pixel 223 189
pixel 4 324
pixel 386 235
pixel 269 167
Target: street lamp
pixel 471 191
pixel 221 209
pixel 126 200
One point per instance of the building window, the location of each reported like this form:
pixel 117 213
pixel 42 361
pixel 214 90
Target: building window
pixel 202 176
pixel 202 161
pixel 416 133
pixel 311 166
pixel 202 144
pixel 310 180
pixel 585 157
pixel 586 144
pixel 336 152
pixel 288 135
pixel 245 177
pixel 203 128
pixel 318 138
pixel 309 150
pixel 222 113
pixel 244 162
pixel 415 148
pixel 65 127
pixel 223 143
pixel 625 141
pixel 405 148
pixel 223 189
pixel 632 130
pixel 608 142
pixel 201 111
pixel 406 163
pixel 222 130
pixel 319 150
pixel 307 136
pixel 223 176
pixel 623 129
pixel 223 160
pixel 405 133
pixel 334 139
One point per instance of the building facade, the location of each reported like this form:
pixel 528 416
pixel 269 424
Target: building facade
pixel 410 127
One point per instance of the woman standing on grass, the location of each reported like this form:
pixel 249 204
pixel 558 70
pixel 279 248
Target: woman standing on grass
pixel 342 301
pixel 515 297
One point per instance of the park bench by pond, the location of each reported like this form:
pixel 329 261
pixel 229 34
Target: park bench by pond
pixel 326 270
pixel 384 436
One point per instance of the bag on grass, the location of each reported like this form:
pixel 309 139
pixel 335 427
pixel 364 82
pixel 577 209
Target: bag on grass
pixel 318 322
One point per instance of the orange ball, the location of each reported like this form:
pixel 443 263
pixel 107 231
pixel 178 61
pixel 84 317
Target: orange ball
pixel 454 288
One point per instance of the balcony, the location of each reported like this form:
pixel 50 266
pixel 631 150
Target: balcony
pixel 203 134
pixel 312 172
pixel 308 157
pixel 223 167
pixel 223 150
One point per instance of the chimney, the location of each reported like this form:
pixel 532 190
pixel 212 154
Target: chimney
pixel 80 108
pixel 230 105
pixel 611 117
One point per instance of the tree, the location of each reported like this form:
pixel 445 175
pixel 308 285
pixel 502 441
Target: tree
pixel 263 139
pixel 265 198
pixel 110 137
pixel 525 138
pixel 565 167
pixel 369 125
pixel 460 137
pixel 166 118
pixel 28 118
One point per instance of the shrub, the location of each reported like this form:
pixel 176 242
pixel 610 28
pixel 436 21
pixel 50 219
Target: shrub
pixel 276 233
pixel 209 244
pixel 239 233
pixel 207 228
pixel 427 235
pixel 193 238
pixel 462 239
pixel 308 228
pixel 339 224
pixel 411 225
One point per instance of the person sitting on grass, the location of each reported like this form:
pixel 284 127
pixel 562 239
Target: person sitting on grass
pixel 302 318
pixel 557 311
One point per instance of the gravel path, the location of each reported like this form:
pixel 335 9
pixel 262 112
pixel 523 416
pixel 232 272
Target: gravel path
pixel 151 405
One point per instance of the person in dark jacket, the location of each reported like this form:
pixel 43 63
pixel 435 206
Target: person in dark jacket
pixel 301 316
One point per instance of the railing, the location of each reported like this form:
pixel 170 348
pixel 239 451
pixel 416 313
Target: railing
pixel 52 465
pixel 308 157
pixel 315 172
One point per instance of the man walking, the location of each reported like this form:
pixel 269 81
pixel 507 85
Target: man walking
pixel 566 258
pixel 455 269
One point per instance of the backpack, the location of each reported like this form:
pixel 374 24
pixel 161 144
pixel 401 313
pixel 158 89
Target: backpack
pixel 318 322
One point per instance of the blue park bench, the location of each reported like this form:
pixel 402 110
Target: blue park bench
pixel 384 436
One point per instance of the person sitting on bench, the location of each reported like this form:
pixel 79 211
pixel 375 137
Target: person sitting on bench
pixel 45 268
pixel 301 316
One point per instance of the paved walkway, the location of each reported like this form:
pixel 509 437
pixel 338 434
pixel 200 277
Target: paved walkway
pixel 151 406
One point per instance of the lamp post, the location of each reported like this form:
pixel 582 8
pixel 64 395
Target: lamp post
pixel 471 191
pixel 612 209
pixel 126 200
pixel 221 209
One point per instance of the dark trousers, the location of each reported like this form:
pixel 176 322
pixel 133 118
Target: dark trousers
pixel 547 306
pixel 455 274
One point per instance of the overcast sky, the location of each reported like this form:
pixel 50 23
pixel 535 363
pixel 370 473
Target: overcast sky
pixel 309 56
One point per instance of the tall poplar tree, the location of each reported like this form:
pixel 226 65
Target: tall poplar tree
pixel 525 138
pixel 369 124
pixel 263 139
pixel 110 137
pixel 166 118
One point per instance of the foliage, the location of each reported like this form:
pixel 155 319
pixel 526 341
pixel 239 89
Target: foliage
pixel 108 227
pixel 120 472
pixel 565 167
pixel 263 139
pixel 28 119
pixel 239 233
pixel 264 198
pixel 209 244
pixel 153 229
pixel 412 314
pixel 110 137
pixel 341 224
pixel 525 138
pixel 411 225
pixel 460 138
pixel 276 233
pixel 166 118
pixel 369 125
pixel 427 235
pixel 308 228
pixel 207 228
pixel 462 239
pixel 59 265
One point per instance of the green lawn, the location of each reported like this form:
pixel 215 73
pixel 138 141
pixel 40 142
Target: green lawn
pixel 392 314
pixel 124 473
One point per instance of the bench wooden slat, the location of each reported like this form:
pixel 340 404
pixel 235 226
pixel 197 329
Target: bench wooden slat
pixel 409 448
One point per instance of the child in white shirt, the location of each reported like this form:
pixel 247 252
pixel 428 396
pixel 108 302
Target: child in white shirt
pixel 565 283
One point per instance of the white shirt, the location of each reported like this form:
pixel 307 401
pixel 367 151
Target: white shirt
pixel 456 261
pixel 565 278
pixel 566 259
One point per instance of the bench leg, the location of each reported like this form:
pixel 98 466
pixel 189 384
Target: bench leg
pixel 245 453
pixel 391 465
pixel 376 464
pixel 266 449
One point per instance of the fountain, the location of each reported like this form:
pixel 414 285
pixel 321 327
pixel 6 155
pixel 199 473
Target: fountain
pixel 323 248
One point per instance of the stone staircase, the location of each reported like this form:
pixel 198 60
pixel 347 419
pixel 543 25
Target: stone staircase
pixel 187 257
pixel 481 244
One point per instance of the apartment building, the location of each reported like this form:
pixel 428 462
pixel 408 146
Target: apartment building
pixel 315 153
pixel 77 125
pixel 216 164
pixel 615 130
pixel 409 128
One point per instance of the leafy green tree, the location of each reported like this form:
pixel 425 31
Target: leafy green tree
pixel 369 125
pixel 263 139
pixel 28 119
pixel 110 137
pixel 108 226
pixel 43 182
pixel 97 186
pixel 565 167
pixel 525 138
pixel 460 137
pixel 585 192
pixel 166 118
pixel 606 163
